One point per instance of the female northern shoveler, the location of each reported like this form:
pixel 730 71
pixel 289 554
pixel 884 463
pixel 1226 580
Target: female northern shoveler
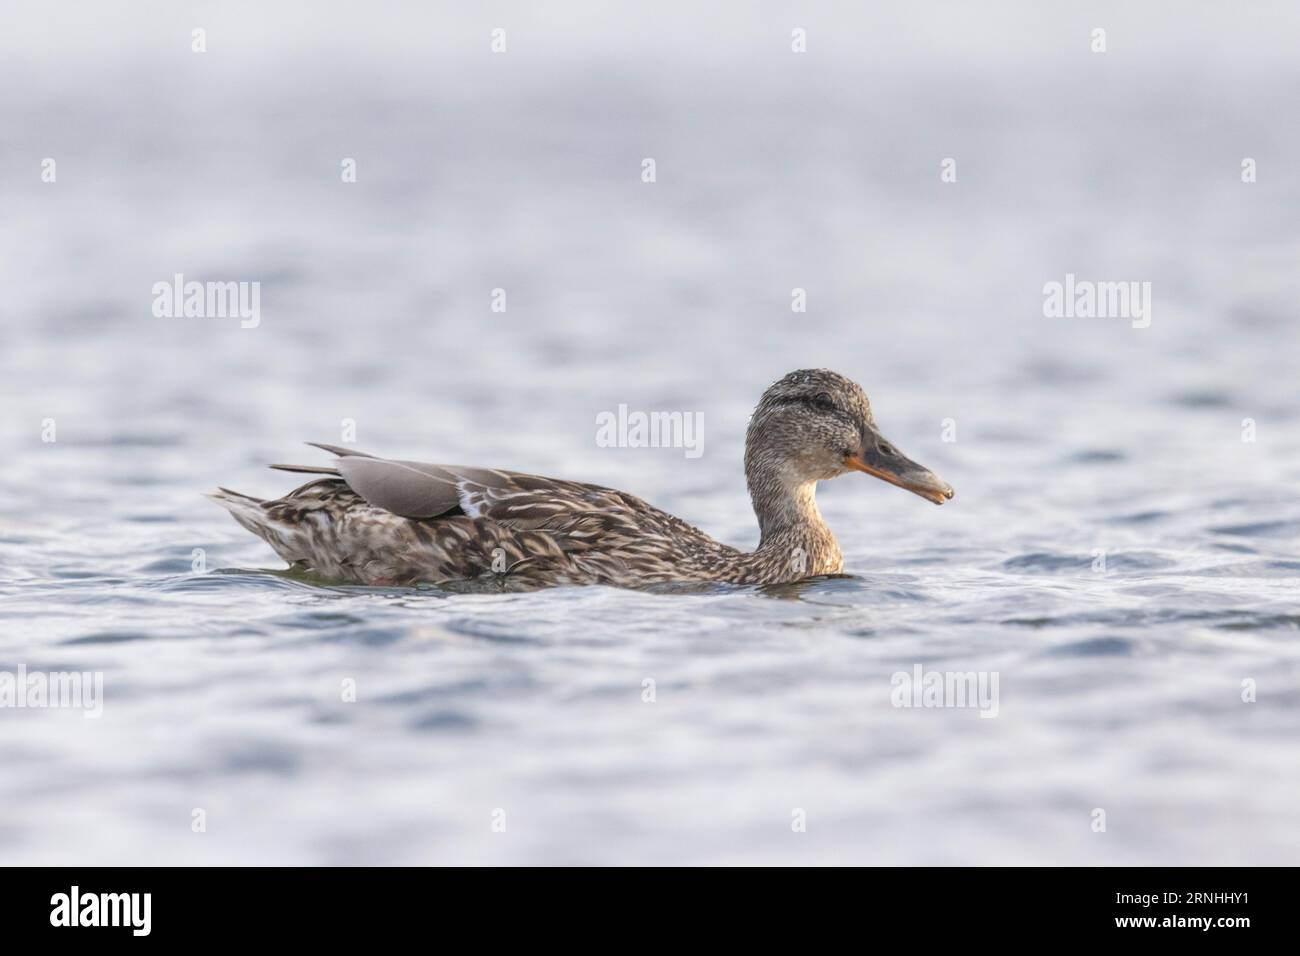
pixel 383 522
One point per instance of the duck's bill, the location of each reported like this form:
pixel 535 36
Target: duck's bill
pixel 903 472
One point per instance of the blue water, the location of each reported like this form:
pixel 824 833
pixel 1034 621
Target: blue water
pixel 1120 689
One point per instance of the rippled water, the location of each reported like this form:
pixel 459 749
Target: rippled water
pixel 1120 689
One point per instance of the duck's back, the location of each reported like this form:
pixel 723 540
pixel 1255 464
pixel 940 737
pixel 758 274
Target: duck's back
pixel 390 522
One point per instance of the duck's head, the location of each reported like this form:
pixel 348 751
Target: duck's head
pixel 816 424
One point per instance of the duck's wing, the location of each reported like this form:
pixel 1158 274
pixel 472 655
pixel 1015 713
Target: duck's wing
pixel 414 489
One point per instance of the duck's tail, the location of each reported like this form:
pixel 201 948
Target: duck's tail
pixel 287 537
pixel 244 508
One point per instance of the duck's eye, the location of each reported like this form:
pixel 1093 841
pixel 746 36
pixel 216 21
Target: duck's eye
pixel 824 401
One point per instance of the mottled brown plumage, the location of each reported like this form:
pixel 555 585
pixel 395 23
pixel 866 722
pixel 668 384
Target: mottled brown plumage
pixel 384 522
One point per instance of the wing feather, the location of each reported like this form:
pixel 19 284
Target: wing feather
pixel 407 488
pixel 575 512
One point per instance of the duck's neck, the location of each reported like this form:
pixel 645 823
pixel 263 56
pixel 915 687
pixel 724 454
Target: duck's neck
pixel 795 542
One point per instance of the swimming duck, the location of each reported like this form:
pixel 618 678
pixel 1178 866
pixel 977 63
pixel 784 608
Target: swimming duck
pixel 378 521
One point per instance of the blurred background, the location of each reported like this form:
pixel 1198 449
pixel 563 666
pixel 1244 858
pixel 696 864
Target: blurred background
pixel 775 170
